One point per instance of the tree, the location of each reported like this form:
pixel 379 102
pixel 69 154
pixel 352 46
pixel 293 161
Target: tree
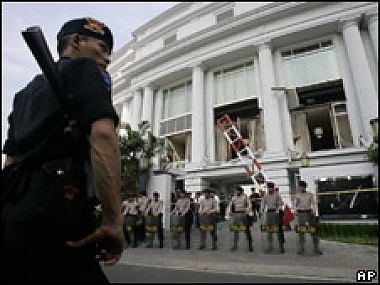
pixel 373 154
pixel 135 146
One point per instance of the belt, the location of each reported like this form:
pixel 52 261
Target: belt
pixel 303 211
pixel 271 210
pixel 241 212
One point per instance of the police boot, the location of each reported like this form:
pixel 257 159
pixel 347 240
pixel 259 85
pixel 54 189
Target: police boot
pixel 214 244
pixel 161 243
pixel 177 244
pixel 187 244
pixel 316 249
pixel 301 250
pixel 234 246
pixel 270 248
pixel 149 244
pixel 235 241
pixel 281 245
pixel 250 246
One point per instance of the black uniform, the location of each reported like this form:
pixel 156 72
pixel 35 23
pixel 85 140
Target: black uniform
pixel 34 230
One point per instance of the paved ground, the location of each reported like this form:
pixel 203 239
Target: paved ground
pixel 339 262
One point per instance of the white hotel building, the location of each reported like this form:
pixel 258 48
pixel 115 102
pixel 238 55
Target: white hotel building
pixel 296 77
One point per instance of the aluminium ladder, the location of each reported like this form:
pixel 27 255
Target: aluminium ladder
pixel 241 148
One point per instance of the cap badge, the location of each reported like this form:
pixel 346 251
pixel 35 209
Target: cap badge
pixel 94 26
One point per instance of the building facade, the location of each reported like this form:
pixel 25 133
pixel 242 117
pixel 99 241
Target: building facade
pixel 299 80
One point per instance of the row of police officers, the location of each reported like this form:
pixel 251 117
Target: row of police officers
pixel 241 210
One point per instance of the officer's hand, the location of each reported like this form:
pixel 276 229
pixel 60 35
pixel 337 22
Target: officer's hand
pixel 277 211
pixel 109 240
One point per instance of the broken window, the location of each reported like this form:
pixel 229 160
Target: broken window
pixel 321 127
pixel 177 150
pixel 250 129
pixel 316 98
pixel 235 95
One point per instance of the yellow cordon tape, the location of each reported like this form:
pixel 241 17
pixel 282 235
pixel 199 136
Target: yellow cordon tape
pixel 319 194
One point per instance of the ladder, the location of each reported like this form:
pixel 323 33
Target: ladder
pixel 241 148
pixel 175 153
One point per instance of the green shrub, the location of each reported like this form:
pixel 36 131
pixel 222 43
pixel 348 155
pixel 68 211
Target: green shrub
pixel 348 230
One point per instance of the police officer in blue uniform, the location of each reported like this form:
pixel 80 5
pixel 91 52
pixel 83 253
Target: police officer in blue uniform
pixel 48 234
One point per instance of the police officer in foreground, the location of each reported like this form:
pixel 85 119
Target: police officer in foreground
pixel 271 205
pixel 240 204
pixel 305 209
pixel 53 243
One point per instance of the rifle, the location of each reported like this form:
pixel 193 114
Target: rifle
pixel 36 42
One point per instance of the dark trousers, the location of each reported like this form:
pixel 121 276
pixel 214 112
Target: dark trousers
pixel 160 233
pixel 203 233
pixel 140 228
pixel 130 236
pixel 188 224
pixel 248 236
pixel 247 233
pixel 272 219
pixel 33 248
pixel 281 226
pixel 305 218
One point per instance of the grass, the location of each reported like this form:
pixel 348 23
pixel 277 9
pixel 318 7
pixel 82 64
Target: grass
pixel 354 240
pixel 366 234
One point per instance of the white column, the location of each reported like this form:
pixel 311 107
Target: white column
pixel 136 110
pixel 147 107
pixel 364 85
pixel 281 96
pixel 353 106
pixel 198 118
pixel 373 26
pixel 158 103
pixel 256 72
pixel 210 120
pixel 126 115
pixel 272 122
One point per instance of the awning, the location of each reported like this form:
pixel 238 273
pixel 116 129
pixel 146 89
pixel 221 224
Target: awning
pixel 244 109
pixel 330 91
